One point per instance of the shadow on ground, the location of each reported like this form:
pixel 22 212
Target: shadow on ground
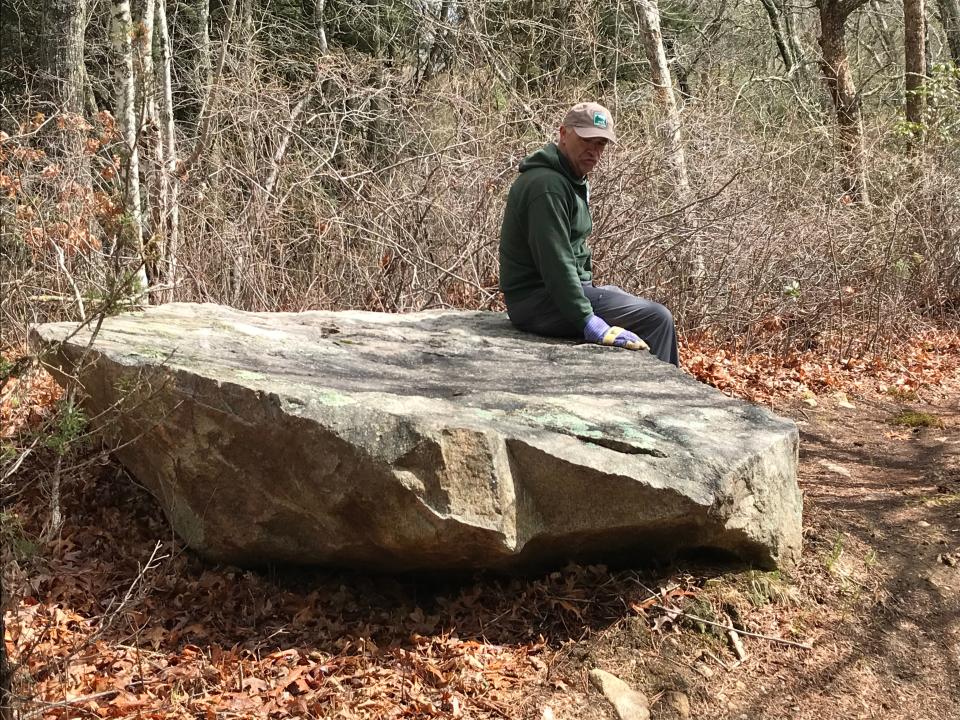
pixel 882 508
pixel 883 610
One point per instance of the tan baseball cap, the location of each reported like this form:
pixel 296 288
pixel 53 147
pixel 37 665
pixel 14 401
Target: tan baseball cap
pixel 590 120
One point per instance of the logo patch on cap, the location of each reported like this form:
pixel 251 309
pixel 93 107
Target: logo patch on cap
pixel 599 120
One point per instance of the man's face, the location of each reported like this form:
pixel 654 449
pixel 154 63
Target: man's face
pixel 583 154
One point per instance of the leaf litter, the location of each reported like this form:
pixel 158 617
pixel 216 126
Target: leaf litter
pixel 106 622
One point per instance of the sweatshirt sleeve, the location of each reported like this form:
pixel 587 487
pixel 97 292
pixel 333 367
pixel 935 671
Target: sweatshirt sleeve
pixel 549 236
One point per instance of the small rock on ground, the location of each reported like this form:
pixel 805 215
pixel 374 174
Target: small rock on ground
pixel 630 704
pixel 675 705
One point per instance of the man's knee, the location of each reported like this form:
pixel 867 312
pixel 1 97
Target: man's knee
pixel 661 315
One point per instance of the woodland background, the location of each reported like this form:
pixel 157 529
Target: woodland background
pixel 787 177
pixel 787 181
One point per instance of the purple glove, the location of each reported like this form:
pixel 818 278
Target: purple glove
pixel 598 331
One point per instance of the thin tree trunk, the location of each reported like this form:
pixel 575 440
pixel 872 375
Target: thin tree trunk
pixel 66 138
pixel 210 94
pixel 155 191
pixel 950 19
pixel 89 97
pixel 147 104
pixel 437 41
pixel 244 32
pixel 777 24
pixel 885 35
pixel 66 53
pixel 204 68
pixel 846 102
pixel 914 57
pixel 318 7
pixel 171 186
pixel 793 40
pixel 132 233
pixel 660 72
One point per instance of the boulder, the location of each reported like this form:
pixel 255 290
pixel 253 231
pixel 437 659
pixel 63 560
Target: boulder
pixel 429 440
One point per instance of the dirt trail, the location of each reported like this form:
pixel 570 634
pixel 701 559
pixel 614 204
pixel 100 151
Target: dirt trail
pixel 883 515
pixel 877 593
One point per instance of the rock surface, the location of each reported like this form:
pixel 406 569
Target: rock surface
pixel 630 704
pixel 428 440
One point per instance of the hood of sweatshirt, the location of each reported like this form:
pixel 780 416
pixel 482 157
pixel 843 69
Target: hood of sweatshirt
pixel 549 156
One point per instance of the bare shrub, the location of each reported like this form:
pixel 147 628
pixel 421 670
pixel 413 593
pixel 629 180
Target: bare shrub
pixel 372 174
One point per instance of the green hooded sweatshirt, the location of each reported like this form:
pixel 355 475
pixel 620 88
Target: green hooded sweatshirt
pixel 543 240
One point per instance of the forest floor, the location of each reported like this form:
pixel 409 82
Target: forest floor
pixel 113 617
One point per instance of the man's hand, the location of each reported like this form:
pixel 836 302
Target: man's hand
pixel 598 331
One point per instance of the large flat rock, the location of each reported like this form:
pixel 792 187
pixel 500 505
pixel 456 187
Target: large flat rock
pixel 428 440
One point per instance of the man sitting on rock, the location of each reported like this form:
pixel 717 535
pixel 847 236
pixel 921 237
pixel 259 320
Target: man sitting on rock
pixel 545 271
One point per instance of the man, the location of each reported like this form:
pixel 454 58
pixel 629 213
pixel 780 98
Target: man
pixel 545 270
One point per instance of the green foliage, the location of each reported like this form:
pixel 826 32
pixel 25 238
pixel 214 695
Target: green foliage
pixel 6 367
pixel 768 588
pixel 15 538
pixel 68 428
pixel 915 419
pixel 836 552
pixel 792 290
pixel 903 267
pixel 941 112
pixel 941 500
pixel 8 452
pixel 901 394
pixel 703 608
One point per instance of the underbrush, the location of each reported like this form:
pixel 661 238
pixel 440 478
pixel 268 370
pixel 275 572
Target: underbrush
pixel 766 257
pixel 783 290
pixel 111 615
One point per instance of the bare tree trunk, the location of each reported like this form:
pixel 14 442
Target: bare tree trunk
pixel 914 56
pixel 793 39
pixel 950 19
pixel 66 54
pixel 171 184
pixel 68 82
pixel 245 33
pixel 780 34
pixel 318 7
pixel 147 104
pixel 846 102
pixel 154 193
pixel 660 71
pixel 63 53
pixel 204 68
pixel 438 40
pixel 132 233
pixel 210 94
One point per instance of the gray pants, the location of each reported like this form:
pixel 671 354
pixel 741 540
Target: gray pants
pixel 648 319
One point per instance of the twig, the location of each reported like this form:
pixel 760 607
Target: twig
pixel 37 129
pixel 706 653
pixel 673 611
pixel 16 466
pixel 737 644
pixel 112 612
pixel 65 703
pixel 151 564
pixel 61 262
